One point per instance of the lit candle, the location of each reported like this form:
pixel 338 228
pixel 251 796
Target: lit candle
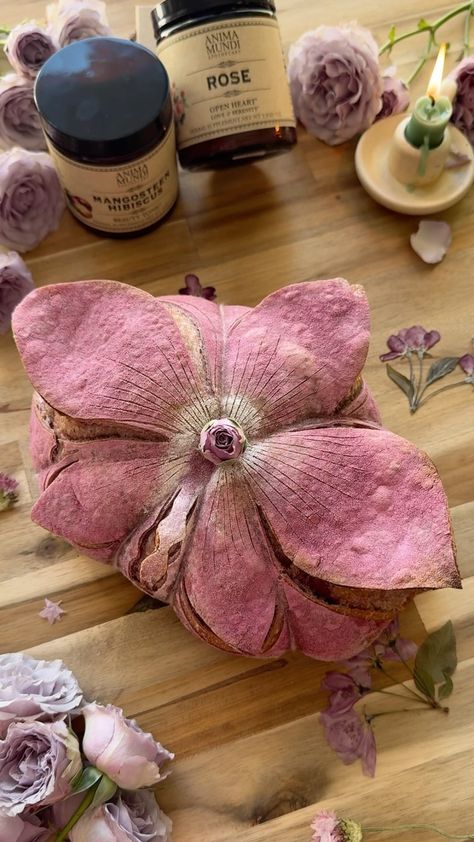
pixel 432 112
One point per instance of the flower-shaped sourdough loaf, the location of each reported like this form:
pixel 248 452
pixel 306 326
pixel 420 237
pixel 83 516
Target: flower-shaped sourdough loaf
pixel 230 461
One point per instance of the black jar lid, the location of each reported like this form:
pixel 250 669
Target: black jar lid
pixel 174 11
pixel 104 97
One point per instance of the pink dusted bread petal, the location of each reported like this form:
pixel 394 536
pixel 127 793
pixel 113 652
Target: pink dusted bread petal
pixel 296 355
pixel 97 494
pixel 356 507
pixel 309 528
pixel 322 633
pixel 226 543
pixel 100 350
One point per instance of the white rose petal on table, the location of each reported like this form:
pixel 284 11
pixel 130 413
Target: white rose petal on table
pixel 432 240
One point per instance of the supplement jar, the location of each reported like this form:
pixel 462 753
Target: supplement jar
pixel 228 79
pixel 107 115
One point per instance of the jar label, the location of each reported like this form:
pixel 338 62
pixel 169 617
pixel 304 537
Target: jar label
pixel 125 197
pixel 227 77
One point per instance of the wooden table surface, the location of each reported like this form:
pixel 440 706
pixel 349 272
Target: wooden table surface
pixel 252 764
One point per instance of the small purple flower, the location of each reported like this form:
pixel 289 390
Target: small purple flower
pixel 31 198
pixel 463 104
pixel 38 762
pixel 344 692
pixel 193 287
pixel 8 491
pixel 410 340
pixel 395 95
pixel 221 440
pixel 392 647
pixel 467 364
pixel 359 668
pixel 344 733
pixel 27 48
pixel 15 283
pixel 327 827
pixel 20 123
pixel 74 20
pixel 52 611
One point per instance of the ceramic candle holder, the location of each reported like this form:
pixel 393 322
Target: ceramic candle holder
pixel 406 161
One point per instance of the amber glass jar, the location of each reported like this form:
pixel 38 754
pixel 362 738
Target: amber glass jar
pixel 229 85
pixel 107 115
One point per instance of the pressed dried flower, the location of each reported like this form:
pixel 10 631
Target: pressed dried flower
pixel 410 340
pixel 8 491
pixel 193 287
pixel 52 611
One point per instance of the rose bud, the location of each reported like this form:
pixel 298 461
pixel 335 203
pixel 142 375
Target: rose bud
pixel 74 20
pixel 132 817
pixel 38 762
pixel 118 747
pixel 20 123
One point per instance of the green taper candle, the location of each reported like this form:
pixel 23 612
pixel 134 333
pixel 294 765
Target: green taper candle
pixel 428 122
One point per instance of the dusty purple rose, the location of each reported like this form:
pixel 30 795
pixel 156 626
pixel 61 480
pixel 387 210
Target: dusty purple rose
pixel 335 81
pixel 410 340
pixel 27 48
pixel 38 762
pixel 20 123
pixel 221 440
pixel 31 689
pixel 463 104
pixel 395 95
pixel 344 692
pixel 74 20
pixel 193 287
pixel 132 817
pixel 31 198
pixel 23 829
pixel 8 496
pixel 15 283
pixel 467 364
pixel 118 747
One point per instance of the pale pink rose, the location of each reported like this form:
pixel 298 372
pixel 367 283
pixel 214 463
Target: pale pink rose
pixel 31 198
pixel 118 747
pixel 15 283
pixel 38 762
pixel 27 48
pixel 31 689
pixel 395 95
pixel 221 440
pixel 74 20
pixel 335 81
pixel 463 104
pixel 20 123
pixel 23 829
pixel 132 817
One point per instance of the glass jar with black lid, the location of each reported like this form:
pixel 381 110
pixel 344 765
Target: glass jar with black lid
pixel 229 84
pixel 107 116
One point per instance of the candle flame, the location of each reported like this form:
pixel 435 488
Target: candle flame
pixel 434 85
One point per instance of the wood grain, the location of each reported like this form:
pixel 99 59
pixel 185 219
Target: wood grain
pixel 252 764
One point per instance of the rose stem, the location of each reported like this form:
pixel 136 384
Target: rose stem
pixel 431 28
pixel 467 30
pixel 464 836
pixel 83 806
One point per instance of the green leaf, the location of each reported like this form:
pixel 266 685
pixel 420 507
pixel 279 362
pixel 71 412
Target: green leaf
pixel 424 682
pixel 437 655
pixel 440 368
pixel 446 689
pixel 104 792
pixel 392 33
pixel 423 24
pixel 402 382
pixel 88 777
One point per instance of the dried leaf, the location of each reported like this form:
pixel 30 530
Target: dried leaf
pixel 437 656
pixel 402 382
pixel 424 682
pixel 446 689
pixel 440 368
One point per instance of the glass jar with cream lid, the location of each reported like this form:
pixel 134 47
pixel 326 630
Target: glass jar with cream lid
pixel 229 84
pixel 107 115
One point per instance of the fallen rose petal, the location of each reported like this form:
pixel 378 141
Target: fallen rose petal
pixel 432 240
pixel 457 158
pixel 52 611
